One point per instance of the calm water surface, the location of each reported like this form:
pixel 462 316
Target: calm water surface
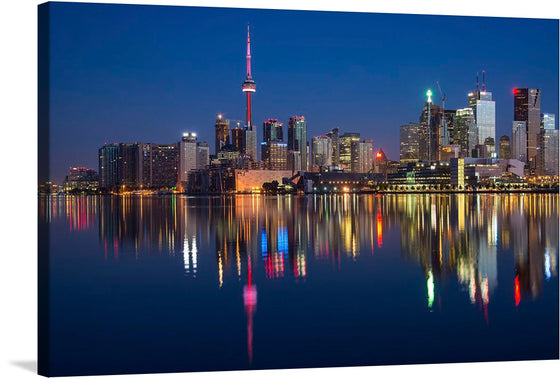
pixel 173 283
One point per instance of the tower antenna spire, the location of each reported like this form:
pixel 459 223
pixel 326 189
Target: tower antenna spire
pixel 483 80
pixel 248 52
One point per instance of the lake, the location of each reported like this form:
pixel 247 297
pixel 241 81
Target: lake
pixel 177 283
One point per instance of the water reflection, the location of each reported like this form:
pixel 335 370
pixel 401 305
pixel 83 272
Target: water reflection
pixel 449 237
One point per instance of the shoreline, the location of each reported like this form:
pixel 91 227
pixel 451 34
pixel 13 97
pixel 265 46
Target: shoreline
pixel 385 192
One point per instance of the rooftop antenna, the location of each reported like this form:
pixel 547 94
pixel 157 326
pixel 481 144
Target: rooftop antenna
pixel 477 80
pixel 483 80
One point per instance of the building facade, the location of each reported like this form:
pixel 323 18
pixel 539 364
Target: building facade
pixel 321 151
pixel 297 141
pixel 519 140
pixel 504 150
pixel 221 133
pixel 409 143
pixel 275 155
pixel 527 108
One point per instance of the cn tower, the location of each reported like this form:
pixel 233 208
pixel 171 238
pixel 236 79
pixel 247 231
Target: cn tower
pixel 249 86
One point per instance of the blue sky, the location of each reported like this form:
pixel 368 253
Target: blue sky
pixel 122 73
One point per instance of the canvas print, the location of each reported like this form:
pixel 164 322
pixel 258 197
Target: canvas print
pixel 239 189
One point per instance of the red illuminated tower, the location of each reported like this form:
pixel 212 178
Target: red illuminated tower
pixel 248 85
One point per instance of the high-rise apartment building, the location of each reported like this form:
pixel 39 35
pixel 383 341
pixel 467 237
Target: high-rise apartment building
pixel 409 143
pixel 297 141
pixel 272 130
pixel 187 158
pixel 362 156
pixel 547 152
pixel 108 166
pixel 238 138
pixel 519 140
pixel 333 134
pixel 464 132
pixel 275 155
pixel 504 150
pixel 202 155
pixel 346 149
pixel 221 133
pixel 321 151
pixel 527 108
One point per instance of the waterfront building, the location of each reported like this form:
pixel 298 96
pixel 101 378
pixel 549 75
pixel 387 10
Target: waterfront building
pixel 464 132
pixel 272 130
pixel 519 140
pixel 547 162
pixel 333 134
pixel 527 107
pixel 253 180
pixel 187 158
pixel 202 155
pixel 128 165
pixel 346 149
pixel 430 130
pixel 489 148
pixel 221 133
pixel 294 160
pixel 238 138
pixel 449 117
pixel 228 155
pixel 362 156
pixel 108 166
pixel 504 150
pixel 484 110
pixel 409 143
pixel 297 141
pixel 158 165
pixel 321 151
pixel 81 179
pixel 275 155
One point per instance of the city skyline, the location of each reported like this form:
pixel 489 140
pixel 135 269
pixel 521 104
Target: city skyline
pixel 166 93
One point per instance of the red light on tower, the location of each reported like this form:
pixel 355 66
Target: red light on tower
pixel 378 155
pixel 515 91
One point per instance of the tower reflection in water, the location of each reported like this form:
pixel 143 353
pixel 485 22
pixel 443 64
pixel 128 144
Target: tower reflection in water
pixel 281 238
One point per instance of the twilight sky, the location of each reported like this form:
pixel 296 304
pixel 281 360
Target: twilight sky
pixel 127 73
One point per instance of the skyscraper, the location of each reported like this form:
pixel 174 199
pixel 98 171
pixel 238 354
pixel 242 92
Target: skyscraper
pixel 238 138
pixel 221 136
pixel 275 155
pixel 548 146
pixel 202 155
pixel 187 158
pixel 464 132
pixel 158 165
pixel 504 150
pixel 362 156
pixel 527 107
pixel 484 110
pixel 128 164
pixel 409 143
pixel 297 140
pixel 108 166
pixel 249 87
pixel 321 151
pixel 272 130
pixel 430 122
pixel 346 149
pixel 519 140
pixel 333 134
